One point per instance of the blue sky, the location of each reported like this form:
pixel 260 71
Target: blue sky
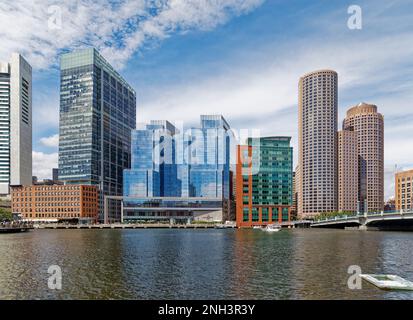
pixel 241 58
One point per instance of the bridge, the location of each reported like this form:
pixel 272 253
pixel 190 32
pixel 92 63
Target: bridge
pixel 392 220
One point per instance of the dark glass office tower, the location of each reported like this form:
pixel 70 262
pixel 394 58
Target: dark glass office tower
pixel 97 114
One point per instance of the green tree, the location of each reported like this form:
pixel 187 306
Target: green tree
pixel 5 214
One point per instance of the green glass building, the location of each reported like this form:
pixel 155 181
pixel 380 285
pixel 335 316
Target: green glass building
pixel 265 184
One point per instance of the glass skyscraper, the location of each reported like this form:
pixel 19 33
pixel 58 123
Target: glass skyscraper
pixel 209 158
pixel 153 171
pixel 264 191
pixel 188 171
pixel 97 115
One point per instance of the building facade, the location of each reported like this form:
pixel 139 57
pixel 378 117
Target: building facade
pixel 97 115
pixel 208 153
pixel 369 126
pixel 55 174
pixel 15 123
pixel 293 214
pixel 404 190
pixel 178 175
pixel 318 119
pixel 347 171
pixel 154 169
pixel 264 181
pixel 54 203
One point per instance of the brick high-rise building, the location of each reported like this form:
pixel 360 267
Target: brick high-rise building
pixel 404 190
pixel 369 126
pixel 347 171
pixel 317 185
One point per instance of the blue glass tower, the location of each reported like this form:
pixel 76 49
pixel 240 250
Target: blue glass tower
pixel 177 175
pixel 209 158
pixel 153 170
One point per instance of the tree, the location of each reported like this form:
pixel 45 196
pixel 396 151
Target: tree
pixel 5 214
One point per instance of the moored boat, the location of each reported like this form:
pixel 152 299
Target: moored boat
pixel 388 281
pixel 272 228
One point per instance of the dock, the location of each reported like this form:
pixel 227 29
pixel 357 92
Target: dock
pixel 134 226
pixel 14 229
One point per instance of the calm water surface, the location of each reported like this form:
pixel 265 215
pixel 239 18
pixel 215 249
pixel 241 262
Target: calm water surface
pixel 201 264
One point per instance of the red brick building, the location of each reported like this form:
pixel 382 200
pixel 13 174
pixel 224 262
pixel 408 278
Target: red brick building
pixel 51 203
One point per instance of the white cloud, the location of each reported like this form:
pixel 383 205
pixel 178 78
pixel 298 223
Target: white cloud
pixel 43 164
pixel 52 141
pixel 117 29
pixel 262 93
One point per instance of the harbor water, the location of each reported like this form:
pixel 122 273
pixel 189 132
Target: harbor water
pixel 201 264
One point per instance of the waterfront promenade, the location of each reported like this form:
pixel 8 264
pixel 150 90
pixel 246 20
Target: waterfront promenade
pixel 134 226
pixel 15 227
pixel 291 224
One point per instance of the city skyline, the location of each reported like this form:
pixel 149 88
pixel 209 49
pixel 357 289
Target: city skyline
pixel 243 62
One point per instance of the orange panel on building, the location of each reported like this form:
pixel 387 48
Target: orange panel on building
pixel 261 212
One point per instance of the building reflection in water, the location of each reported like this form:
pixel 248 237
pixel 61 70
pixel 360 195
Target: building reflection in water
pixel 90 263
pixel 322 258
pixel 261 265
pixel 201 264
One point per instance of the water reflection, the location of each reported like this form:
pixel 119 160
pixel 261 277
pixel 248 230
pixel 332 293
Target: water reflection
pixel 200 264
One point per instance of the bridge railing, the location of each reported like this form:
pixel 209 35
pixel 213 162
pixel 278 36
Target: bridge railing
pixel 359 215
pixel 337 218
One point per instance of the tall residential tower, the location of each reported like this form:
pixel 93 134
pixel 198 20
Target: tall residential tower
pixel 317 143
pixel 347 171
pixel 15 123
pixel 97 115
pixel 369 126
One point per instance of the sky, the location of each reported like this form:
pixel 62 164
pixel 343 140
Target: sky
pixel 239 58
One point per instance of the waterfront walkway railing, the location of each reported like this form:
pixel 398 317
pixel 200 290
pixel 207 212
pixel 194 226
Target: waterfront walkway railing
pixel 360 215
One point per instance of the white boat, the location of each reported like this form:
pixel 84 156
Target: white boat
pixel 272 228
pixel 257 227
pixel 388 281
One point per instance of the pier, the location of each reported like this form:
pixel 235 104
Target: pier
pixel 135 226
pixel 14 229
